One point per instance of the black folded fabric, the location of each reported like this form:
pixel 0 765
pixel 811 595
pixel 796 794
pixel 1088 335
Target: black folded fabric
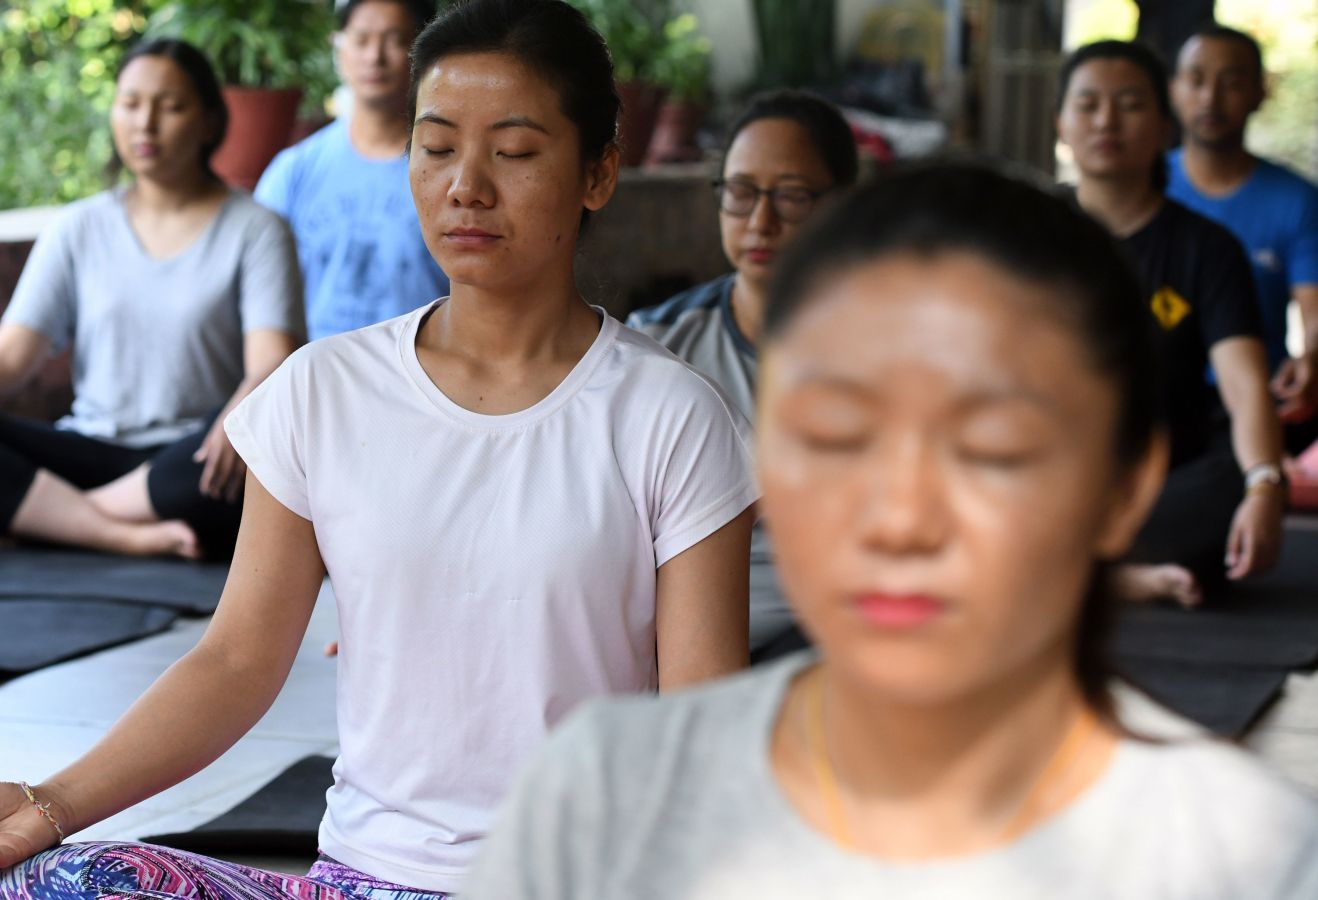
pixel 1224 699
pixel 188 587
pixel 40 631
pixel 283 817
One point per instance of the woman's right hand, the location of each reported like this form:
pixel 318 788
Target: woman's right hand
pixel 24 832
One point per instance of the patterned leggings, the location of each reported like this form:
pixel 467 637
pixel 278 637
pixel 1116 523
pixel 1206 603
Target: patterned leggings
pixel 101 871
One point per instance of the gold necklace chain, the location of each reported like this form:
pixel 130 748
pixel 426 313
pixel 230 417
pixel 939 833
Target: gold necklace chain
pixel 831 792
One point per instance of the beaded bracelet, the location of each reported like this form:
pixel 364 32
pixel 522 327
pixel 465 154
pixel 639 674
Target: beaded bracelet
pixel 43 809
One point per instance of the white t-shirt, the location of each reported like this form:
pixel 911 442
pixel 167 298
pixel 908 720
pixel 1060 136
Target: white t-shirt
pixel 675 798
pixel 491 572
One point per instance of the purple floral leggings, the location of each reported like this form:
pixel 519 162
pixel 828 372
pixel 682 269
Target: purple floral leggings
pixel 101 871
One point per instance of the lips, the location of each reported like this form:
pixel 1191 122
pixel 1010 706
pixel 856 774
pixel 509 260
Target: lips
pixel 471 237
pixel 899 612
pixel 146 149
pixel 760 255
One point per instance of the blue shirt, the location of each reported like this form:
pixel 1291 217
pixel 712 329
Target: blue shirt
pixel 358 239
pixel 1275 215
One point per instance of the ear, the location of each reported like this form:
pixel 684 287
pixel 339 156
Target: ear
pixel 1132 500
pixel 602 179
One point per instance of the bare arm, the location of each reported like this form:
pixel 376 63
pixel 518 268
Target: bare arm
pixel 703 607
pixel 1296 384
pixel 1242 376
pixel 203 703
pixel 222 475
pixel 22 351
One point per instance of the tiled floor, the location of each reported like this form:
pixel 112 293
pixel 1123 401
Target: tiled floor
pixel 49 718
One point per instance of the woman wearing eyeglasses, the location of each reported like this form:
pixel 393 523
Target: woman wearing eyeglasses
pixel 786 151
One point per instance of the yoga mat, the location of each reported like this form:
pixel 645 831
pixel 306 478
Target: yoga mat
pixel 283 817
pixel 39 631
pixel 188 587
pixel 1224 699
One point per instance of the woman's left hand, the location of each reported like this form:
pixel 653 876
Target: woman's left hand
pixel 224 472
pixel 1255 539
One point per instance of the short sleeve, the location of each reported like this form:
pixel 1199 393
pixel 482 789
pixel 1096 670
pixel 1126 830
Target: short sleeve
pixel 270 279
pixel 1228 299
pixel 46 298
pixel 705 474
pixel 268 429
pixel 275 189
pixel 1302 255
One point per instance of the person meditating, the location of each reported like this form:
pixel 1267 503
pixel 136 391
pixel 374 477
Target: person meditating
pixel 1221 510
pixel 786 152
pixel 956 438
pixel 520 504
pixel 178 297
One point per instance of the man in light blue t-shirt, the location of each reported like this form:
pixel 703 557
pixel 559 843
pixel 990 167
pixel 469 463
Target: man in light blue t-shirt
pixel 1273 211
pixel 345 191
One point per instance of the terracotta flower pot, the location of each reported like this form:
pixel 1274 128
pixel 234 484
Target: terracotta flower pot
pixel 674 138
pixel 640 109
pixel 260 125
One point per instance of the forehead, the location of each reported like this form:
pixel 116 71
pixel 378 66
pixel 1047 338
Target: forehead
pixel 955 319
pixel 775 146
pixel 380 15
pixel 486 86
pixel 1109 75
pixel 1216 53
pixel 155 73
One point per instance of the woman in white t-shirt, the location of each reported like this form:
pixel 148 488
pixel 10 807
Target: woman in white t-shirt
pixel 958 431
pixel 520 505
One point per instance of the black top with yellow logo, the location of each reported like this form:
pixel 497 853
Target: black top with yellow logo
pixel 1201 291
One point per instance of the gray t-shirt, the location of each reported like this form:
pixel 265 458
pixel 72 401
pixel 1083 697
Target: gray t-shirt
pixel 674 798
pixel 157 343
pixel 697 325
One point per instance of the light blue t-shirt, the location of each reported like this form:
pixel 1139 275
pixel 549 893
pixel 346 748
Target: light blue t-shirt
pixel 358 239
pixel 1275 215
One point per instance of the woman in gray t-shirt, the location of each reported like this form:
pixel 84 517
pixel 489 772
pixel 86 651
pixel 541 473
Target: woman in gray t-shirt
pixel 177 296
pixel 957 434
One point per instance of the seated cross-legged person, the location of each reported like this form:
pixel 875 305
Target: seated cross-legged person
pixel 956 436
pixel 786 151
pixel 177 296
pixel 1220 513
pixel 344 189
pixel 521 505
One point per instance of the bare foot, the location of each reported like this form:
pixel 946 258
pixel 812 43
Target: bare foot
pixel 172 538
pixel 1143 584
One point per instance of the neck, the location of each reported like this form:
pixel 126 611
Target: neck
pixel 1124 205
pixel 1217 169
pixel 379 131
pixel 748 302
pixel 949 777
pixel 174 194
pixel 524 325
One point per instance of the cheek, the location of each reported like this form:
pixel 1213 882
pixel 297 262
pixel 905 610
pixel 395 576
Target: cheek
pixel 731 230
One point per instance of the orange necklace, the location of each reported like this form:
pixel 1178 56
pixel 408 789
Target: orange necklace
pixel 840 825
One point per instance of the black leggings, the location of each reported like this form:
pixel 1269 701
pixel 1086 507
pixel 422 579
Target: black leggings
pixel 173 481
pixel 1190 522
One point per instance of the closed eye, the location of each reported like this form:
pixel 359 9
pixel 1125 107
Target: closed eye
pixel 434 151
pixel 527 155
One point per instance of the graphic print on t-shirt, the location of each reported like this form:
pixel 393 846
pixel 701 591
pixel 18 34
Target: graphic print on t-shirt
pixel 1169 307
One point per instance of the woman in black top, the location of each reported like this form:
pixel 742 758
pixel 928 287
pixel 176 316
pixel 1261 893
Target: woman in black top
pixel 1221 510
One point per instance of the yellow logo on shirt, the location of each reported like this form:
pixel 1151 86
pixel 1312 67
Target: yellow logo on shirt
pixel 1169 308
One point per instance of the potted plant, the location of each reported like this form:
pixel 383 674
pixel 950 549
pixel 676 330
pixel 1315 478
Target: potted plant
pixel 683 69
pixel 797 42
pixel 634 33
pixel 270 55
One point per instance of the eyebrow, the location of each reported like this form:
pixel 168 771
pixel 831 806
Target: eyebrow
pixel 976 400
pixel 502 124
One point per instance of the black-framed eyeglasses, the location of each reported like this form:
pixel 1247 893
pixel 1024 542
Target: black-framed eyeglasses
pixel 790 203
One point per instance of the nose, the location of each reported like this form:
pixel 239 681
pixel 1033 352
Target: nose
pixel 471 185
pixel 1105 114
pixel 763 218
pixel 148 117
pixel 904 506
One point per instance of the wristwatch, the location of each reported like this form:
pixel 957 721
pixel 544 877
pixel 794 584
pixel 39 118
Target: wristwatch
pixel 1265 473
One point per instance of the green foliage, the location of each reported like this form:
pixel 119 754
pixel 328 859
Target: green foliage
pixel 683 65
pixel 634 32
pixel 58 59
pixel 797 42
pixel 258 43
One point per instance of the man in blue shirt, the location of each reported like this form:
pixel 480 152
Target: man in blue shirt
pixel 1217 86
pixel 345 191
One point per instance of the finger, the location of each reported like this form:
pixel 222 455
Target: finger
pixel 332 649
pixel 1245 555
pixel 1234 543
pixel 208 476
pixel 236 479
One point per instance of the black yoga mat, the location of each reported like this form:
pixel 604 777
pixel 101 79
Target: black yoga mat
pixel 188 587
pixel 283 817
pixel 39 631
pixel 1224 699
